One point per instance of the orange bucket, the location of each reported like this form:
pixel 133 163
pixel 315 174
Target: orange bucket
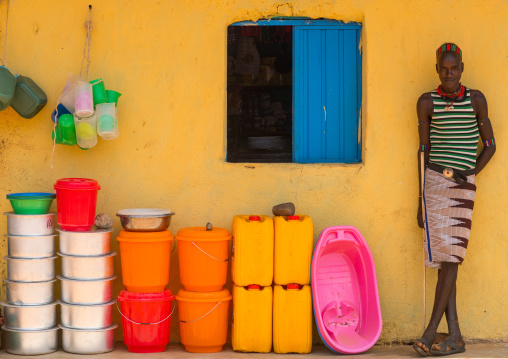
pixel 145 260
pixel 203 320
pixel 203 256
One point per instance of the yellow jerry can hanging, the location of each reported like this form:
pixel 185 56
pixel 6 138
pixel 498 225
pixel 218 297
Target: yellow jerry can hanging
pixel 252 319
pixel 292 319
pixel 252 258
pixel 293 249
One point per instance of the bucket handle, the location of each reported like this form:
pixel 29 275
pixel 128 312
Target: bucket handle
pixel 220 260
pixel 160 321
pixel 204 315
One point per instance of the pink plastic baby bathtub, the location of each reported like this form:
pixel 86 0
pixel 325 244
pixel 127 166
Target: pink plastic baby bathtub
pixel 344 291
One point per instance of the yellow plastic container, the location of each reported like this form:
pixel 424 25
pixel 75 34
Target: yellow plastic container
pixel 252 319
pixel 292 319
pixel 293 249
pixel 252 259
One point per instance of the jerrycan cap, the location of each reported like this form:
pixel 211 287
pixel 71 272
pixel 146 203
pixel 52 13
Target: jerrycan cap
pixel 253 286
pixel 293 286
pixel 254 218
pixel 293 218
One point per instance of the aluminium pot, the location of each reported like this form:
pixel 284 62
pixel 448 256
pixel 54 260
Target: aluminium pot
pixel 92 243
pixel 83 316
pixel 31 246
pixel 29 317
pixel 30 224
pixel 88 341
pixel 29 293
pixel 95 267
pixel 99 291
pixel 31 342
pixel 30 269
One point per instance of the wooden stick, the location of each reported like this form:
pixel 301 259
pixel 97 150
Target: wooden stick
pixel 424 210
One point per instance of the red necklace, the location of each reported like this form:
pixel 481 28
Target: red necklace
pixel 450 97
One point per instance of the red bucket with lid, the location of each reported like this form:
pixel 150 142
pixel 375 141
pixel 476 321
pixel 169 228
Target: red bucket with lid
pixel 146 319
pixel 76 200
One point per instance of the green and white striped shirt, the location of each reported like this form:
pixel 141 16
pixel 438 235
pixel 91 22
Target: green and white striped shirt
pixel 453 133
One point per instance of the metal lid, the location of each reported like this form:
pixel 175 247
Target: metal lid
pixel 114 326
pixel 144 212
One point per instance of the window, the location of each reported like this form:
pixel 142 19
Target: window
pixel 294 92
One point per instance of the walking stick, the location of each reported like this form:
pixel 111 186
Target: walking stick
pixel 424 212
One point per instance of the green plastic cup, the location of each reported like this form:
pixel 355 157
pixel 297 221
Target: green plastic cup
pixel 65 131
pixel 99 92
pixel 113 96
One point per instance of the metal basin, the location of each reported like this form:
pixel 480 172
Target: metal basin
pixel 86 341
pixel 145 219
pixel 32 342
pixel 79 316
pixel 97 267
pixel 93 243
pixel 30 224
pixel 29 293
pixel 31 246
pixel 76 291
pixel 30 270
pixel 29 317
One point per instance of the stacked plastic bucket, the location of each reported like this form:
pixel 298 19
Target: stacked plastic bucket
pixel 30 310
pixel 146 304
pixel 87 270
pixel 203 304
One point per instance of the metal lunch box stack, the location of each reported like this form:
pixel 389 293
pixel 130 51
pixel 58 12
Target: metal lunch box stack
pixel 30 310
pixel 87 291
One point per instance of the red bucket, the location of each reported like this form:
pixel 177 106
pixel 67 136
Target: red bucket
pixel 146 319
pixel 76 199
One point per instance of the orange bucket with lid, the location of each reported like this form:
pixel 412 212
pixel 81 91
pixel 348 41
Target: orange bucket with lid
pixel 203 255
pixel 203 320
pixel 145 258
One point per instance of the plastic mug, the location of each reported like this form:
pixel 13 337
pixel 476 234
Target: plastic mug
pixel 83 99
pixel 65 131
pixel 114 135
pixel 106 123
pixel 86 131
pixel 99 92
pixel 113 96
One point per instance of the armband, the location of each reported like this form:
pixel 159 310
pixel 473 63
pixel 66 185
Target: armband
pixel 424 148
pixel 480 122
pixel 489 143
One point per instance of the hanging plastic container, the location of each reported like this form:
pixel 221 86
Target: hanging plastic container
pixel 76 200
pixel 146 319
pixel 145 260
pixel 83 99
pixel 252 257
pixel 99 92
pixel 86 131
pixel 65 131
pixel 203 256
pixel 113 96
pixel 293 249
pixel 252 319
pixel 7 87
pixel 28 98
pixel 203 320
pixel 106 120
pixel 292 319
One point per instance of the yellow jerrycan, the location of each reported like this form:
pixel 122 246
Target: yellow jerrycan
pixel 252 319
pixel 252 252
pixel 293 249
pixel 292 319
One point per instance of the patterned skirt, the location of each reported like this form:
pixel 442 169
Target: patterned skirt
pixel 447 216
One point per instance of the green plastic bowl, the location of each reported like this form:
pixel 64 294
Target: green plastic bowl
pixel 31 203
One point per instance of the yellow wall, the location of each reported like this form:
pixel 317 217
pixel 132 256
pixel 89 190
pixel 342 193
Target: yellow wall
pixel 168 58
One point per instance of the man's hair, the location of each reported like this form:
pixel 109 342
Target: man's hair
pixel 449 47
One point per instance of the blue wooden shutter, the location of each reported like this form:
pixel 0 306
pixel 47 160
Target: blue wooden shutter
pixel 327 93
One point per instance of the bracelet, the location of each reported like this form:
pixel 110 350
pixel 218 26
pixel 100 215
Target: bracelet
pixel 424 148
pixel 489 143
pixel 422 122
pixel 480 122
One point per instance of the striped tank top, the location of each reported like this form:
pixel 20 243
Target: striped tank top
pixel 453 133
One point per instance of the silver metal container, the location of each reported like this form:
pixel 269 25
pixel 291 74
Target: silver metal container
pixel 31 246
pixel 29 317
pixel 30 224
pixel 97 267
pixel 76 291
pixel 145 219
pixel 31 342
pixel 93 243
pixel 29 293
pixel 88 341
pixel 30 269
pixel 80 316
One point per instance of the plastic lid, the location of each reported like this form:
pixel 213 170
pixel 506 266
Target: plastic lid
pixel 187 296
pixel 157 296
pixel 77 183
pixel 148 236
pixel 293 286
pixel 293 218
pixel 253 286
pixel 201 234
pixel 254 218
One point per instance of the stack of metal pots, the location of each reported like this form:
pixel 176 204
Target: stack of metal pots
pixel 30 310
pixel 87 291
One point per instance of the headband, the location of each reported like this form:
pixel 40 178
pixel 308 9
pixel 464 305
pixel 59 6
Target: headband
pixel 449 47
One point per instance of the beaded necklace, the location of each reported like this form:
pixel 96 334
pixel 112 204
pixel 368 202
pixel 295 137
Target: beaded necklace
pixel 450 97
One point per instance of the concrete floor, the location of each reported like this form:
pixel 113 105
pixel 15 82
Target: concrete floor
pixel 493 350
